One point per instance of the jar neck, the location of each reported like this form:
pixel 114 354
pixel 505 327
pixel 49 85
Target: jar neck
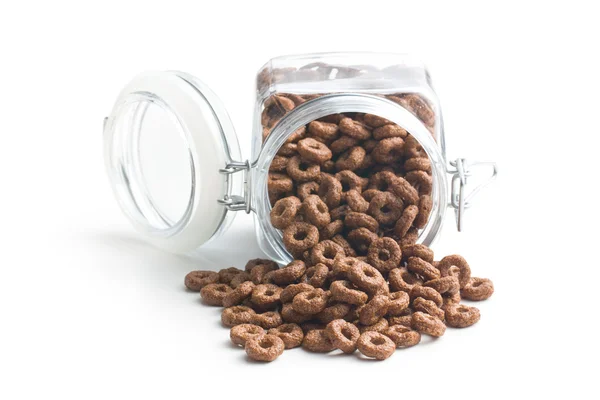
pixel 345 103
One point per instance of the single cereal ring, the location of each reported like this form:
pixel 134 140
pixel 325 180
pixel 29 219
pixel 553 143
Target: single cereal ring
pixel 428 307
pixel 411 237
pixel 306 189
pixel 402 188
pixel 375 345
pixel 240 334
pixel 317 341
pixel 323 130
pixel 239 279
pixel 463 271
pixel 427 293
pixel 343 291
pixel 356 201
pixel 413 148
pixel 316 211
pixel 299 237
pixel 268 320
pixel 402 336
pixel 478 289
pixel 389 131
pixel 288 294
pixel 278 164
pixel 417 250
pixel 386 208
pixel 406 220
pixel 427 324
pixel 418 164
pixel 280 183
pixel 214 293
pixel 379 326
pixel 425 207
pixel 196 280
pixel 447 285
pixel 316 276
pixel 374 310
pixel 330 190
pixel 288 274
pixel 291 334
pixel 398 303
pixel 375 121
pixel 343 335
pixel 334 311
pixel 354 129
pixel 266 295
pixel 302 171
pixel 355 220
pixel 288 150
pixel 423 268
pixel 325 252
pixel 342 265
pixel 260 261
pixel 351 159
pixel 350 181
pixel 421 181
pixel 283 213
pixel 401 279
pixel 310 302
pixel 404 320
pixel 239 294
pixel 366 277
pixel 384 254
pixel 388 151
pixel 382 181
pixel 227 274
pixel 348 250
pixel 370 193
pixel 342 144
pixel 288 314
pixel 361 239
pixel 331 229
pixel 452 299
pixel 461 316
pixel 264 348
pixel 296 135
pixel 236 315
pixel 258 273
pixel 313 151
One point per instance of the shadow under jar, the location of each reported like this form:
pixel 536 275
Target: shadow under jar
pixel 175 165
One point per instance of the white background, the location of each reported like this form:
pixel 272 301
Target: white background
pixel 87 310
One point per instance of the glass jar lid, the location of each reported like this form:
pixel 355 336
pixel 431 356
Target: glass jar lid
pixel 166 144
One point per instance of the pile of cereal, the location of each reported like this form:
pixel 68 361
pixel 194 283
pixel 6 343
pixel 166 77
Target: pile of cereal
pixel 350 193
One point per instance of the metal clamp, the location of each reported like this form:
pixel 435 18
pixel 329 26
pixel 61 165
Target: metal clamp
pixel 461 169
pixel 233 202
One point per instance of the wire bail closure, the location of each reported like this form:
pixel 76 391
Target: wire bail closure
pixel 461 169
pixel 234 202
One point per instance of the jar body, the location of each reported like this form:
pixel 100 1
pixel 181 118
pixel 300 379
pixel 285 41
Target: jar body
pixel 312 87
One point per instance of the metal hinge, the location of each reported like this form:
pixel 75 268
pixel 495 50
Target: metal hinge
pixel 461 169
pixel 235 202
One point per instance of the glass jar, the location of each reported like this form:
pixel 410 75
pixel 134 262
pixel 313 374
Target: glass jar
pixel 174 160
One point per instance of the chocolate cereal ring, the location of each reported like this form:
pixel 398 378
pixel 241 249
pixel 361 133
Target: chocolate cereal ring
pixel 343 335
pixel 310 302
pixel 316 211
pixel 317 341
pixel 330 190
pixel 384 254
pixel 288 274
pixel 350 181
pixel 240 334
pixel 425 207
pixel 264 348
pixel 279 183
pixel 421 181
pixel 411 237
pixel 266 295
pixel 447 285
pixel 398 303
pixel 427 293
pixel 283 213
pixel 404 320
pixel 331 229
pixel 427 324
pixel 413 148
pixel 290 334
pixel 356 201
pixel 214 293
pixel 306 189
pixel 237 315
pixel 227 274
pixel 401 279
pixel 239 279
pixel 238 295
pixel 343 291
pixel 461 316
pixel 351 159
pixel 289 315
pixel 417 250
pixel 260 261
pixel 389 131
pixel 418 164
pixel 386 208
pixel 316 276
pixel 382 181
pixel 302 171
pixel 314 151
pixel 288 294
pixel 463 271
pixel 402 336
pixel 428 307
pixel 375 345
pixel 258 273
pixel 278 164
pixel 325 252
pixel 268 320
pixel 478 289
pixel 342 144
pixel 361 239
pixel 406 220
pixel 402 188
pixel 323 130
pixel 365 277
pixel 354 220
pixel 288 150
pixel 299 237
pixel 354 129
pixel 348 250
pixel 374 310
pixel 379 326
pixel 334 311
pixel 376 121
pixel 196 280
pixel 423 268
pixel 342 265
pixel 340 212
pixel 389 150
